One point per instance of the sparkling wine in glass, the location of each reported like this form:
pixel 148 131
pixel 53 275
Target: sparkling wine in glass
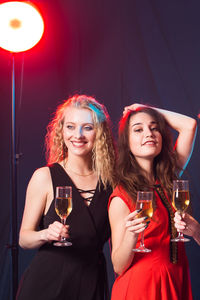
pixel 63 207
pixel 144 202
pixel 180 201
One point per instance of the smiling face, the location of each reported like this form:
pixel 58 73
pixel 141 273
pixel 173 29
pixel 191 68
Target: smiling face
pixel 145 140
pixel 79 131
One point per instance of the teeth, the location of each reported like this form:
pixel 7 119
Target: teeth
pixel 149 143
pixel 78 143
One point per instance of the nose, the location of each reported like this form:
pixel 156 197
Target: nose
pixel 78 132
pixel 148 132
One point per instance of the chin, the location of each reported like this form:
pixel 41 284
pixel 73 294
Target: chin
pixel 151 155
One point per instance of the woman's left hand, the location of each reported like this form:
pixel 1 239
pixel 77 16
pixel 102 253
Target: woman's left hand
pixel 132 107
pixel 185 223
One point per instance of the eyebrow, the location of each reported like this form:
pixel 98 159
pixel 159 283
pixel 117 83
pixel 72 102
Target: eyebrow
pixel 152 122
pixel 69 122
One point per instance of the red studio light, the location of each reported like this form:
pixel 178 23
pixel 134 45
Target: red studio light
pixel 21 26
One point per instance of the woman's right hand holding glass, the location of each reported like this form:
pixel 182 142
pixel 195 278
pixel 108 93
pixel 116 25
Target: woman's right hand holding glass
pixel 56 231
pixel 134 224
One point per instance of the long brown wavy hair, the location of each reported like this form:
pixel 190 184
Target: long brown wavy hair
pixel 165 167
pixel 103 153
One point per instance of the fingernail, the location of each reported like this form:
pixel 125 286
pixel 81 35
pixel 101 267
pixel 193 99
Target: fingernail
pixel 146 218
pixel 147 222
pixel 146 226
pixel 139 210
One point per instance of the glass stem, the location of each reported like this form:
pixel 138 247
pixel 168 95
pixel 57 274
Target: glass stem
pixel 142 239
pixel 63 221
pixel 180 235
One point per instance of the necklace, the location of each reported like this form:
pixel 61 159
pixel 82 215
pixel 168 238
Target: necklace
pixel 84 175
pixel 78 174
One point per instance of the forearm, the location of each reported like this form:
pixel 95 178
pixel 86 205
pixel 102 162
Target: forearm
pixel 186 128
pixel 29 239
pixel 196 234
pixel 178 121
pixel 122 257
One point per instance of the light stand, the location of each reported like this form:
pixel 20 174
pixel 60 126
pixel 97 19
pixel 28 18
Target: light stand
pixel 14 191
pixel 21 28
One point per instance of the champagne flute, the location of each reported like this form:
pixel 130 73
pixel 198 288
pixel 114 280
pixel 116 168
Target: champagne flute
pixel 180 201
pixel 144 203
pixel 63 207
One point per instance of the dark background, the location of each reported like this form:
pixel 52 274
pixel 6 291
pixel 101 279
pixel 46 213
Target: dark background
pixel 121 52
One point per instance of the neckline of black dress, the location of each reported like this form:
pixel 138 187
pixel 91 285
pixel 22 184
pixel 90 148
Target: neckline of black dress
pixel 76 189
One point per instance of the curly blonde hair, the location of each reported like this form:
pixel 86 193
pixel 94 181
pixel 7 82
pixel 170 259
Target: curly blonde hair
pixel 103 153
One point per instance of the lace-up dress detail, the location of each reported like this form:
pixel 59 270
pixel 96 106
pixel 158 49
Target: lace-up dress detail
pixel 89 198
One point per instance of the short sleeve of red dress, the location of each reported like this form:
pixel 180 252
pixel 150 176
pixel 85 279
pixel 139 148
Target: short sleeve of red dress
pixel 121 193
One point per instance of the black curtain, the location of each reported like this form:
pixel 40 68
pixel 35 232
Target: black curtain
pixel 121 52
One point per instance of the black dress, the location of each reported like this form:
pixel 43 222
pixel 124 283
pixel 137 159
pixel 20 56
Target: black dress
pixel 77 272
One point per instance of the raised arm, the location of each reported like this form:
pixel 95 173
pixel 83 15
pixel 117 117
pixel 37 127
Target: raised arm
pixel 38 196
pixel 186 128
pixel 124 233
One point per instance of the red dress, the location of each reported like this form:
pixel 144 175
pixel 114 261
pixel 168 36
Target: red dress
pixel 152 276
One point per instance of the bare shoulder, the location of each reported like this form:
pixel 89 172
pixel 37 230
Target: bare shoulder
pixel 117 202
pixel 118 207
pixel 41 174
pixel 37 195
pixel 41 178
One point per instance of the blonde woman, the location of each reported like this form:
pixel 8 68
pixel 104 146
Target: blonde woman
pixel 81 154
